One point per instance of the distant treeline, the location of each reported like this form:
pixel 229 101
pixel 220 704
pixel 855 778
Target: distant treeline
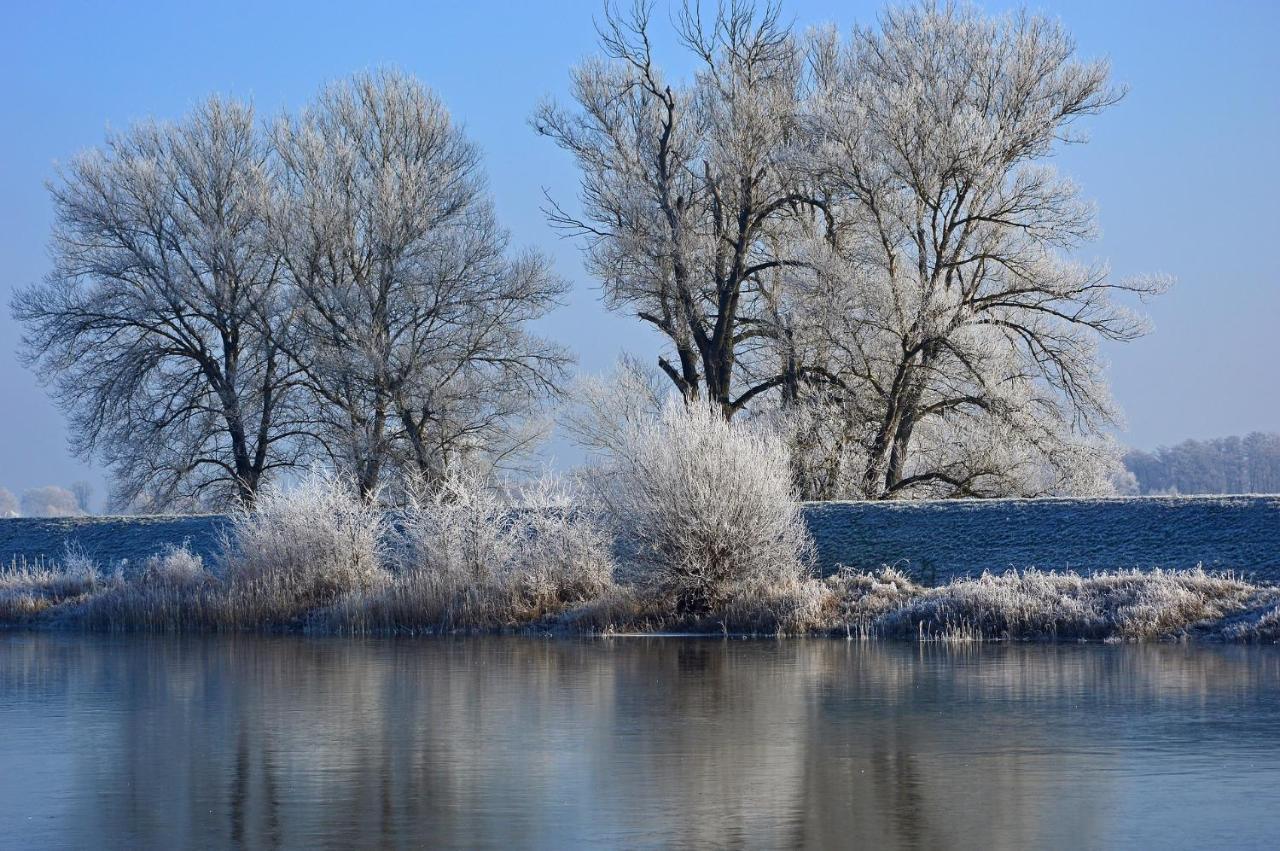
pixel 1249 464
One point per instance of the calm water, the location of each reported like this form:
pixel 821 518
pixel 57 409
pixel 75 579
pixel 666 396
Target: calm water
pixel 166 743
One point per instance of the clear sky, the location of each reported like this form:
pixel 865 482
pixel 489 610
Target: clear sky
pixel 1185 170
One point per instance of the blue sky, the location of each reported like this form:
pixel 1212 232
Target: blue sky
pixel 1184 170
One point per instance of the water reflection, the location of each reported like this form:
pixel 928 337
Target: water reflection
pixel 629 742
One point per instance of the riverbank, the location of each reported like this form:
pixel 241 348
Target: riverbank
pixel 665 553
pixel 933 541
pixel 174 593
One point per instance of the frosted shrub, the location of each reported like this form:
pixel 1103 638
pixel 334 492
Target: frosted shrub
pixel 465 557
pixel 175 567
pixel 28 590
pixel 456 531
pixel 566 551
pixel 172 592
pixel 703 509
pixel 1262 627
pixel 302 548
pixel 1129 605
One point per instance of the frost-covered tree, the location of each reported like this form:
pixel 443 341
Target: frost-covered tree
pixel 8 503
pixel 682 185
pixel 1249 464
pixel 148 324
pixel 955 336
pixel 860 238
pixel 83 492
pixel 50 501
pixel 410 316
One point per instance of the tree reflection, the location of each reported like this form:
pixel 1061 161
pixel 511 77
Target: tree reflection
pixel 268 742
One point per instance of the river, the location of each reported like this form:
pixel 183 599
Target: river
pixel 147 742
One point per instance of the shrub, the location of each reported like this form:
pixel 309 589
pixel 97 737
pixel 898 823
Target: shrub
pixel 466 558
pixel 28 591
pixel 1125 605
pixel 173 592
pixel 301 549
pixel 703 508
pixel 566 551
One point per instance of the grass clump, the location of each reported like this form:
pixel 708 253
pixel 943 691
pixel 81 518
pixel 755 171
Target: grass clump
pixel 173 592
pixel 29 591
pixel 464 558
pixel 300 550
pixel 1123 605
pixel 1258 625
pixel 856 600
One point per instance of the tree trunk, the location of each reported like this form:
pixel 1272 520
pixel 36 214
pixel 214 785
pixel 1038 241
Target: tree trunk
pixel 370 467
pixel 910 414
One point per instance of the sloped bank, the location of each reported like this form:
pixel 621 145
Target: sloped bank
pixel 937 541
pixel 175 593
pixel 931 542
pixel 317 559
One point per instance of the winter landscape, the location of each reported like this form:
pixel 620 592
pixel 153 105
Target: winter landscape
pixel 718 424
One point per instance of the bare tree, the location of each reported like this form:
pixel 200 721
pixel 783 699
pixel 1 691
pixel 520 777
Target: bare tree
pixel 956 341
pixel 148 323
pixel 681 184
pixel 410 319
pixel 83 492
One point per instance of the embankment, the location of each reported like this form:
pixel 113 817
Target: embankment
pixel 933 542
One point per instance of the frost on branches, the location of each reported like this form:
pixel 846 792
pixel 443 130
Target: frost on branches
pixel 859 239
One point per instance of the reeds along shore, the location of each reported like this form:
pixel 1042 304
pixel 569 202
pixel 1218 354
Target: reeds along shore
pixel 175 592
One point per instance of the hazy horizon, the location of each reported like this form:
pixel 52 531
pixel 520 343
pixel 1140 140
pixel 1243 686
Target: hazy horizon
pixel 1178 169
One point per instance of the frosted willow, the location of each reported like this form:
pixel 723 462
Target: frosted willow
pixel 155 324
pixel 683 183
pixel 409 321
pixel 956 337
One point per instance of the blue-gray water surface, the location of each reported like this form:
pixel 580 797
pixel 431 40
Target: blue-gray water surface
pixel 138 742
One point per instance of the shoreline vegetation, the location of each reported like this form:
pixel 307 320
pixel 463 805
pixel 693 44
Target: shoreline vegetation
pixel 175 592
pixel 688 525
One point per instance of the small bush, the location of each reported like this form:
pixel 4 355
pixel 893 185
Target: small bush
pixel 301 549
pixel 464 558
pixel 28 591
pixel 173 592
pixel 703 509
pixel 1123 605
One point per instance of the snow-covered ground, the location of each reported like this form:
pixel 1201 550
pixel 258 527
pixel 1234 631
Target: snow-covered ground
pixel 933 541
